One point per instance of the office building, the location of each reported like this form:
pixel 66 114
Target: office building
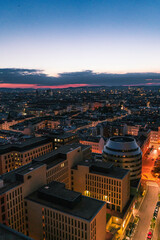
pixel 53 212
pixel 97 143
pixel 19 183
pixel 102 181
pixel 124 153
pixel 15 155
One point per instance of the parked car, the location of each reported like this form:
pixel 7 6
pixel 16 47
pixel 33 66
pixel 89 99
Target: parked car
pixel 149 235
pixel 158 204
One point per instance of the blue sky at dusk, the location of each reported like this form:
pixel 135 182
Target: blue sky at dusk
pixel 108 36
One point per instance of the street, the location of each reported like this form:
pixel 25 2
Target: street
pixel 156 235
pixel 146 211
pixel 147 166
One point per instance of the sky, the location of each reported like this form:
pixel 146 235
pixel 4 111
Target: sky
pixel 79 36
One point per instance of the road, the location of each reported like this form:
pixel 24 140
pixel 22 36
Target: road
pixel 146 211
pixel 156 235
pixel 93 124
pixel 147 166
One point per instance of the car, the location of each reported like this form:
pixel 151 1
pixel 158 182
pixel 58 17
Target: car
pixel 155 214
pixel 149 235
pixel 157 208
pixel 158 204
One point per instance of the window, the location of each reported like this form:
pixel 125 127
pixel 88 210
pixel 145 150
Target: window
pixel 2 209
pixel 2 200
pixel 3 217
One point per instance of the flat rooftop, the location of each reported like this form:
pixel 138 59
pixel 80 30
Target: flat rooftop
pixel 51 159
pixel 122 139
pixel 59 155
pixel 62 135
pixel 11 179
pixel 7 233
pixel 55 196
pixel 24 146
pixel 104 168
pixel 91 139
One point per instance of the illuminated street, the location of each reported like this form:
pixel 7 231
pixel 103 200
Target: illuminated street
pixel 146 211
pixel 148 164
pixel 156 235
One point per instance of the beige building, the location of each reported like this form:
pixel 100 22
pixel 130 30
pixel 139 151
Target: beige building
pixel 53 212
pixel 96 143
pixel 17 155
pixel 133 130
pixel 155 137
pixel 19 183
pixel 102 181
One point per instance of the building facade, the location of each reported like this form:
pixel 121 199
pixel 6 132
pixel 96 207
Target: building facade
pixel 124 153
pixel 54 212
pixel 96 143
pixel 102 181
pixel 17 155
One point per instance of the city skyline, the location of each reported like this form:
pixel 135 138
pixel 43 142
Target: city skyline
pixel 69 36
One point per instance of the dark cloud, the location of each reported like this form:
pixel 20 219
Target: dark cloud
pixel 33 76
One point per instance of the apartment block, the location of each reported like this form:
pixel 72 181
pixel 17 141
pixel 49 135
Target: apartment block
pixel 133 130
pixel 19 183
pixel 102 181
pixel 97 143
pixel 62 139
pixel 53 212
pixel 16 155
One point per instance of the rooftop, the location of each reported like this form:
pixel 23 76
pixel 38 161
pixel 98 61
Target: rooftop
pixel 105 169
pixel 122 139
pixel 54 195
pixel 15 177
pixel 24 146
pixel 7 233
pixel 91 139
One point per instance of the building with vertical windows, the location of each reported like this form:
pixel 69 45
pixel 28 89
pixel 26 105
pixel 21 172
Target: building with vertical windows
pixel 124 152
pixel 53 212
pixel 16 155
pixel 61 139
pixel 102 181
pixel 97 143
pixel 19 183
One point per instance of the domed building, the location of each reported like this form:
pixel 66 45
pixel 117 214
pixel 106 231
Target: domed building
pixel 124 153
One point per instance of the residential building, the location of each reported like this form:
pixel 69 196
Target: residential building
pixel 96 143
pixel 13 156
pixel 102 181
pixel 19 183
pixel 54 212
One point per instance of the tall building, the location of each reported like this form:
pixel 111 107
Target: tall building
pixel 19 183
pixel 53 212
pixel 124 153
pixel 102 181
pixel 13 156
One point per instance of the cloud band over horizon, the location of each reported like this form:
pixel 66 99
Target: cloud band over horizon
pixel 33 78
